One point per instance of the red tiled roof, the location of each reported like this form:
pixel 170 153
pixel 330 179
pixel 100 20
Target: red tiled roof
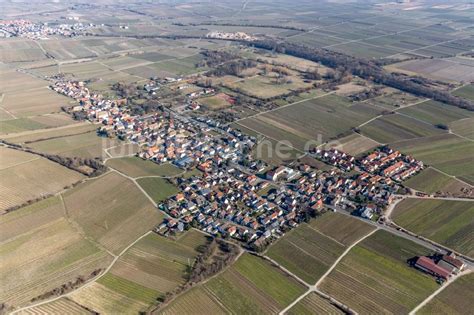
pixel 453 261
pixel 429 264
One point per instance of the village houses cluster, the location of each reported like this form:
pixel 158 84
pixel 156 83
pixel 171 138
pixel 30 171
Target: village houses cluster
pixel 226 199
pixel 163 138
pixel 390 164
pixel 28 29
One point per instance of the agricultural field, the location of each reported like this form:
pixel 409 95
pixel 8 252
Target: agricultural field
pixel 314 304
pixel 321 119
pixel 437 69
pixel 27 176
pixel 463 127
pixel 198 301
pixel 394 99
pixel 150 268
pixel 443 221
pixel 457 298
pixel 341 228
pixel 291 62
pixel 448 153
pixel 61 306
pixel 355 144
pixel 33 102
pixel 466 91
pixel 265 86
pixel 157 188
pixel 396 127
pixel 310 250
pixel 137 167
pixel 86 145
pixel 363 50
pixel 12 126
pixel 436 113
pixel 374 277
pixel 36 135
pixel 123 150
pixel 432 181
pixel 23 50
pixel 250 286
pixel 125 213
pixel 52 252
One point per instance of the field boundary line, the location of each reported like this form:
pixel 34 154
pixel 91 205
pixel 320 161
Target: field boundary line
pixel 331 238
pixel 342 256
pixel 428 46
pixel 164 305
pixel 439 290
pixel 20 163
pixel 280 107
pixel 87 283
pixel 76 226
pixel 452 176
pixel 302 296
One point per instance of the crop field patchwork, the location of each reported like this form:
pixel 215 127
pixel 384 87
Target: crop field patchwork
pixel 374 276
pixel 306 252
pixel 319 119
pixel 30 177
pixel 86 145
pixel 52 252
pixel 34 102
pixel 106 301
pixel 68 130
pixel 137 167
pixel 463 127
pixel 448 153
pixel 309 250
pixel 444 221
pixel 158 263
pixel 61 306
pixel 396 127
pixel 112 210
pixel 355 144
pixel 466 91
pixel 436 113
pixel 438 68
pixel 341 228
pixel 250 286
pixel 157 188
pixel 314 304
pixel 432 181
pixel 197 301
pixel 457 298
